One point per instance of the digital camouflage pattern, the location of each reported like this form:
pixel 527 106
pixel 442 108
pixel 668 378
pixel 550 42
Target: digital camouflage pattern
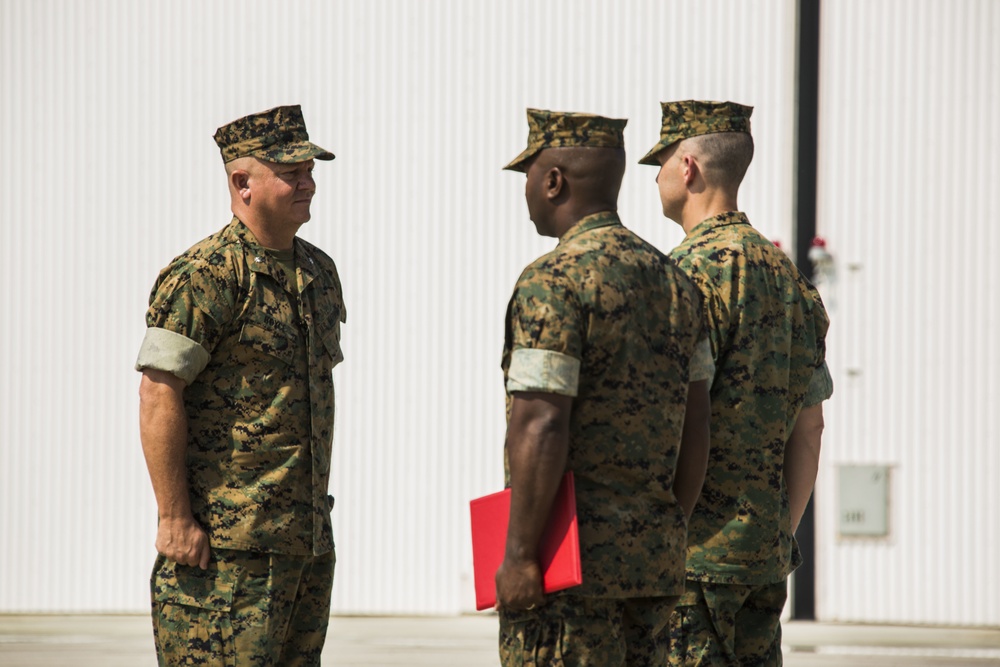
pixel 245 610
pixel 727 625
pixel 275 135
pixel 692 118
pixel 608 298
pixel 260 411
pixel 574 631
pixel 767 327
pixel 561 129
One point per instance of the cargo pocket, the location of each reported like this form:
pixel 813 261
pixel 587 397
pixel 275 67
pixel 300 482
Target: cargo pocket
pixel 191 620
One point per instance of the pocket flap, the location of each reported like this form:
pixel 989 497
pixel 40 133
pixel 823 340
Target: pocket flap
pixel 268 341
pixel 192 586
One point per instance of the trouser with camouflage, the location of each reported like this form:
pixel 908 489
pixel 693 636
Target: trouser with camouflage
pixel 575 631
pixel 727 625
pixel 246 610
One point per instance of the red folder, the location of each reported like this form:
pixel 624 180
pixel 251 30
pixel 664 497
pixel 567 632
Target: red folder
pixel 560 550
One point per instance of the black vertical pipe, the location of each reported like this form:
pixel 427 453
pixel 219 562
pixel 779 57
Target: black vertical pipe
pixel 806 146
pixel 806 130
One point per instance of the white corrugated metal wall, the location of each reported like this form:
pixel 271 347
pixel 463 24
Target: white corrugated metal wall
pixel 907 200
pixel 108 108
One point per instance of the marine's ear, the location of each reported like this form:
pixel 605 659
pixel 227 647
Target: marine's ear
pixel 554 181
pixel 239 182
pixel 690 169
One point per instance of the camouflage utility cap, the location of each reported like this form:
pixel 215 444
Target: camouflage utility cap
pixel 562 129
pixel 692 118
pixel 275 135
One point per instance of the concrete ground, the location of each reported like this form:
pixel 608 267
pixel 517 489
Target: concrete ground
pixel 470 641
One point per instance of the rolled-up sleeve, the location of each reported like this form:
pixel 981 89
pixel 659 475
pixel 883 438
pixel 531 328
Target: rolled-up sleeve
pixel 165 350
pixel 702 366
pixel 820 386
pixel 543 370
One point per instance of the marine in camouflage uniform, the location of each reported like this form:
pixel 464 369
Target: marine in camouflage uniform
pixel 603 339
pixel 767 327
pixel 237 417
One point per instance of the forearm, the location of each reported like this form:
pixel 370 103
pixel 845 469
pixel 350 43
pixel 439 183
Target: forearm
pixel 692 459
pixel 537 447
pixel 802 460
pixel 163 431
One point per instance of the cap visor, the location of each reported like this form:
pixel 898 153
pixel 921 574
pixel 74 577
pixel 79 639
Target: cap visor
pixel 297 152
pixel 650 157
pixel 517 164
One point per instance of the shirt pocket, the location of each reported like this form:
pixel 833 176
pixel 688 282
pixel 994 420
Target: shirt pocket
pixel 258 336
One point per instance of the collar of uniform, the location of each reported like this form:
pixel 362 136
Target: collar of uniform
pixel 262 261
pixel 592 221
pixel 305 262
pixel 246 237
pixel 721 220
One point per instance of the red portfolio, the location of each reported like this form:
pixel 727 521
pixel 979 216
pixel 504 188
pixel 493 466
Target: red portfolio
pixel 560 550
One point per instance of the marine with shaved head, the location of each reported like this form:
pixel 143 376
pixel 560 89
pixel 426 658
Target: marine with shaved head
pixel 605 364
pixel 767 326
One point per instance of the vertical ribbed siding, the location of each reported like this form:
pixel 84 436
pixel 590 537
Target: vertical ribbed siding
pixel 108 112
pixel 908 175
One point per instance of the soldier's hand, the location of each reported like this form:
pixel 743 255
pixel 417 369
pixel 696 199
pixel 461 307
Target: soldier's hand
pixel 183 541
pixel 519 585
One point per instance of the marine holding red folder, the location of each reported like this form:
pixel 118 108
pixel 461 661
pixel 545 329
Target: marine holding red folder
pixel 606 366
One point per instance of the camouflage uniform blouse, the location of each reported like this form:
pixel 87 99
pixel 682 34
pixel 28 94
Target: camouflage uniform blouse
pixel 767 327
pixel 605 318
pixel 257 355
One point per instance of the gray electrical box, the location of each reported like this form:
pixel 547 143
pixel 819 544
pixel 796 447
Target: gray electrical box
pixel 864 500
